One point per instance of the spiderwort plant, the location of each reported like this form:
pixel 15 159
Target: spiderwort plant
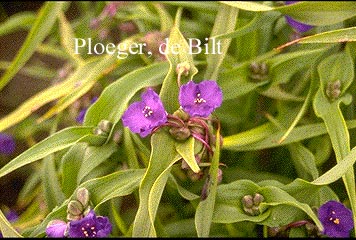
pixel 336 219
pixel 200 99
pixel 143 116
pixel 90 226
pixel 82 221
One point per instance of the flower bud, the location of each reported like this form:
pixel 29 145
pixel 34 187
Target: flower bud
pixel 257 199
pixel 75 208
pixel 180 133
pixel 333 90
pixel 105 125
pixel 117 137
pixel 247 201
pixel 183 68
pixel 220 175
pixel 251 205
pixel 83 196
pixel 258 71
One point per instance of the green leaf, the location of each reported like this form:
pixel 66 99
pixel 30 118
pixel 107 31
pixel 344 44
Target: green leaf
pixel 312 13
pixel 246 141
pixel 120 183
pixel 182 191
pixel 248 6
pixel 293 62
pixel 170 87
pixel 153 183
pixel 239 76
pixel 34 71
pixel 337 67
pixel 225 22
pixel 18 21
pixel 51 187
pixel 114 99
pixel 186 150
pixel 320 13
pixel 67 39
pixel 130 150
pixel 275 196
pixel 205 209
pixel 71 163
pixel 338 170
pixel 41 27
pixel 165 17
pixel 40 99
pixel 256 23
pixel 84 84
pixel 228 207
pixel 201 6
pixel 6 229
pixel 56 142
pixel 93 157
pixel 304 161
pixel 334 36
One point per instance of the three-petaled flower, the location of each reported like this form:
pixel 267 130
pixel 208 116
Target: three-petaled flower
pixel 7 144
pixel 90 226
pixel 298 26
pixel 200 99
pixel 336 219
pixel 143 116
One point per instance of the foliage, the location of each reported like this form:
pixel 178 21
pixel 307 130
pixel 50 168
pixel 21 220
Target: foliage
pixel 279 147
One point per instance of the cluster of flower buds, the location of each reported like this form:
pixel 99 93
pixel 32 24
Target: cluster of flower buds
pixel 251 204
pixel 333 90
pixel 82 220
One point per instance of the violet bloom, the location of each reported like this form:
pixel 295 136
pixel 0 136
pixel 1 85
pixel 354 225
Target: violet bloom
pixel 142 117
pixel 298 26
pixel 7 144
pixel 11 216
pixel 91 226
pixel 56 229
pixel 200 99
pixel 336 219
pixel 81 115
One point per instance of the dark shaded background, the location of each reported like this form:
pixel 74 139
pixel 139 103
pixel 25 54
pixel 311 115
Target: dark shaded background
pixel 18 90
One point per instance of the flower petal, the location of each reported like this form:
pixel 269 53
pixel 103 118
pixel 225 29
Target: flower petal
pixel 56 229
pixel 7 144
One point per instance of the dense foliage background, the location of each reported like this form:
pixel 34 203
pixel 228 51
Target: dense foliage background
pixel 285 131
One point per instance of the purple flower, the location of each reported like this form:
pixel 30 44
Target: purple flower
pixel 298 26
pixel 336 219
pixel 7 144
pixel 142 117
pixel 90 226
pixel 81 115
pixel 200 99
pixel 56 229
pixel 11 216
